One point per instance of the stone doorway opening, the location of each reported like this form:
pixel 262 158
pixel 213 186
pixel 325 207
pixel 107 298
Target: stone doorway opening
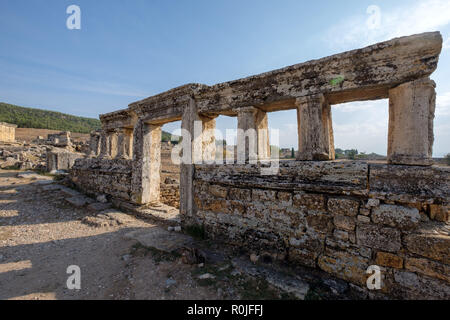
pixel 170 171
pixel 225 135
pixel 360 130
pixel 283 127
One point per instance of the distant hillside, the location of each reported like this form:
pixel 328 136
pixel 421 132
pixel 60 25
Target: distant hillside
pixel 43 119
pixel 51 120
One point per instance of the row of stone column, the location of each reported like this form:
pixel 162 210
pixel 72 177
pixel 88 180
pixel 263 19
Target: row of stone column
pixel 112 144
pixel 410 136
pixel 411 114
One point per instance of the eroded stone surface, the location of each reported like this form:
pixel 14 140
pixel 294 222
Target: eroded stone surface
pixel 396 216
pixel 160 239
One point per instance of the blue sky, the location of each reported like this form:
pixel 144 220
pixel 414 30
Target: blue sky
pixel 128 50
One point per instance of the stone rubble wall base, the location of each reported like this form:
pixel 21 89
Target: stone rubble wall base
pixel 113 178
pixel 62 160
pixel 340 217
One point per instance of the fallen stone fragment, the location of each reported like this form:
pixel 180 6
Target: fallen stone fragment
pixel 170 282
pixel 98 206
pixel 206 276
pixel 77 201
pixel 70 192
pixel 29 175
pixel 51 187
pixel 160 239
pixel 118 216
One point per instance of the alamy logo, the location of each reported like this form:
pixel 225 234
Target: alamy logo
pixel 374 281
pixel 74 20
pixel 74 280
pixel 374 20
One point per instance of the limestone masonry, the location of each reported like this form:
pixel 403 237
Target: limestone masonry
pixel 338 216
pixel 7 132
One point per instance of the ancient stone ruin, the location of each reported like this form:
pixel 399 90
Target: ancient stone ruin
pixel 7 132
pixel 338 216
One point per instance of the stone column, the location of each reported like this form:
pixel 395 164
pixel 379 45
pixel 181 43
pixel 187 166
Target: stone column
pixel 253 135
pixel 124 143
pixel 105 145
pixel 411 116
pixel 146 163
pixel 202 147
pixel 113 140
pixel 315 129
pixel 94 144
pixel 208 139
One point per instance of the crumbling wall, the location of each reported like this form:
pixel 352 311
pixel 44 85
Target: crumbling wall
pixel 170 194
pixel 103 177
pixel 62 140
pixel 341 217
pixel 7 132
pixel 113 178
pixel 61 159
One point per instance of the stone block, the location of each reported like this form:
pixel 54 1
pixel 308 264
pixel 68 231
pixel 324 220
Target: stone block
pixel 80 201
pixel 240 194
pixel 420 287
pixel 341 235
pixel 377 237
pixel 304 257
pixel 309 201
pixel 342 206
pixel 321 223
pixel 400 217
pixel 218 191
pixel 428 268
pixel 285 198
pixel 439 212
pixel 433 246
pixel 363 219
pixel 344 223
pixel 386 259
pixel 409 183
pixel 264 195
pixel 372 203
pixel 345 266
pixel 61 160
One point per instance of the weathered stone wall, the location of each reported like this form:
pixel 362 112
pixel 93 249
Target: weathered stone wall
pixel 7 132
pixel 61 139
pixel 100 176
pixel 61 159
pixel 341 217
pixel 113 178
pixel 170 194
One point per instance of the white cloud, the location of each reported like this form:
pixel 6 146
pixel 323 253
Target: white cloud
pixel 360 106
pixel 443 104
pixel 446 44
pixel 422 16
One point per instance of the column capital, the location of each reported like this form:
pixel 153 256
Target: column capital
pixel 422 82
pixel 317 99
pixel 248 109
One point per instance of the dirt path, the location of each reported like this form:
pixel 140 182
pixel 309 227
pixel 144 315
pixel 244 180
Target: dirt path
pixel 41 235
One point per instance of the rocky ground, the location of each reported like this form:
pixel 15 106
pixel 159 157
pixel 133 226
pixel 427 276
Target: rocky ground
pixel 46 227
